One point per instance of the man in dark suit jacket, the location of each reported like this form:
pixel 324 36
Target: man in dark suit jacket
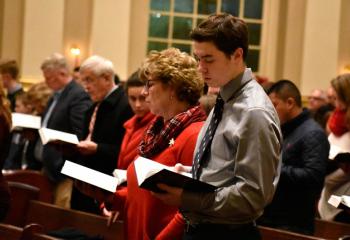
pixel 103 128
pixel 65 112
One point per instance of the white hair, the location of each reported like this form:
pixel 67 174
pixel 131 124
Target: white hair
pixel 98 66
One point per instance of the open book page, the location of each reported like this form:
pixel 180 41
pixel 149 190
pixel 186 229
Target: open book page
pixel 149 173
pixel 339 201
pixel 90 176
pixel 338 144
pixel 120 174
pixel 20 121
pixel 51 135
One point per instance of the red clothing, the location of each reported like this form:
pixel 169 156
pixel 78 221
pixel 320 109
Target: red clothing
pixel 337 122
pixel 146 216
pixel 134 129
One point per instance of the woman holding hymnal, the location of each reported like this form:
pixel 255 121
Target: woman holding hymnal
pixel 173 88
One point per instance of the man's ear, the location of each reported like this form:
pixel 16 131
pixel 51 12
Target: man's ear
pixel 290 102
pixel 238 53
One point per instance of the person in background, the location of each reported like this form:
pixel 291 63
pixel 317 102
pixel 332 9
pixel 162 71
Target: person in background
pixel 319 107
pixel 136 126
pixel 76 75
pixel 317 99
pixel 331 96
pixel 9 74
pixel 5 140
pixel 64 112
pixel 338 180
pixel 37 98
pixel 103 129
pixel 238 149
pixel 15 158
pixel 304 162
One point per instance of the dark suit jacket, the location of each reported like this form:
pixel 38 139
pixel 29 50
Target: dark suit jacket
pixel 108 131
pixel 67 116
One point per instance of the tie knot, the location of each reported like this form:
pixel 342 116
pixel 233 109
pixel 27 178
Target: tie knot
pixel 219 104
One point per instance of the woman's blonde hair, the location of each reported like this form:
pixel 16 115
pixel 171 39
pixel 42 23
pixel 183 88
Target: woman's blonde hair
pixel 38 95
pixel 176 69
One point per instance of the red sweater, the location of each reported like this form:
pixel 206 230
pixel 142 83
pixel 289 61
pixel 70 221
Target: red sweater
pixel 146 216
pixel 134 129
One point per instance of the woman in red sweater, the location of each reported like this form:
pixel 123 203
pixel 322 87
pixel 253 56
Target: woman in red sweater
pixel 173 88
pixel 135 126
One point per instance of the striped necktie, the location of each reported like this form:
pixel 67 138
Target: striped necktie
pixel 208 136
pixel 92 122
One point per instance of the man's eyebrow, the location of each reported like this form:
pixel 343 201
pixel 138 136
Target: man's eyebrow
pixel 205 56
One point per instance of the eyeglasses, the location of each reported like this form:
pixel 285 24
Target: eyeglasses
pixel 316 98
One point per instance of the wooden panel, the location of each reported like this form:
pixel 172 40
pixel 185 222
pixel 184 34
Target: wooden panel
pixel 60 218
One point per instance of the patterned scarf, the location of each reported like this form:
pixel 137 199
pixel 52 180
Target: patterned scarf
pixel 337 122
pixel 159 134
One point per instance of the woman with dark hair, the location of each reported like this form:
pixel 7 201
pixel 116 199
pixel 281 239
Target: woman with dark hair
pixel 5 139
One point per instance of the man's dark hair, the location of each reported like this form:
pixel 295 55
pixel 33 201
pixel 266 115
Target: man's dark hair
pixel 285 89
pixel 134 81
pixel 226 32
pixel 10 67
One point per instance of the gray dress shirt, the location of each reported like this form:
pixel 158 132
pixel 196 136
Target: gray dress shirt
pixel 244 162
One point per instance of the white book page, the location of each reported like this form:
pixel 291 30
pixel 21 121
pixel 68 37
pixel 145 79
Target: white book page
pixel 90 176
pixel 334 200
pixel 145 168
pixel 48 135
pixel 20 120
pixel 120 174
pixel 338 144
pixel 346 200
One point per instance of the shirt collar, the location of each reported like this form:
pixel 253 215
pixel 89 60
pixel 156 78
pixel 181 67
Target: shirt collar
pixel 229 90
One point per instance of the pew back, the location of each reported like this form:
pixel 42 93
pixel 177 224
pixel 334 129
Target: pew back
pixel 54 218
pixel 34 178
pixel 278 234
pixel 330 229
pixel 21 194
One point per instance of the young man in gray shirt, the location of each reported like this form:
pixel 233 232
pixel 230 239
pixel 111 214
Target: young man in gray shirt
pixel 238 149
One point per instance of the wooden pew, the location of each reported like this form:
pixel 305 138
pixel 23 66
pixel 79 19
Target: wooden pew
pixel 34 178
pixel 278 234
pixel 21 194
pixel 330 229
pixel 54 218
pixel 30 232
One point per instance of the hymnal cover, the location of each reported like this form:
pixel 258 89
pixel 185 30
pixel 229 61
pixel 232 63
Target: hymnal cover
pixel 90 176
pixel 149 173
pixel 21 121
pixel 50 135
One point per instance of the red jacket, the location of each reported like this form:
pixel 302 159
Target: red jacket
pixel 134 129
pixel 146 216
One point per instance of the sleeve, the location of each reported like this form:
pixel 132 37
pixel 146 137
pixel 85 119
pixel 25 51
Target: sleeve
pixel 117 203
pixel 313 158
pixel 257 140
pixel 78 107
pixel 111 151
pixel 174 230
